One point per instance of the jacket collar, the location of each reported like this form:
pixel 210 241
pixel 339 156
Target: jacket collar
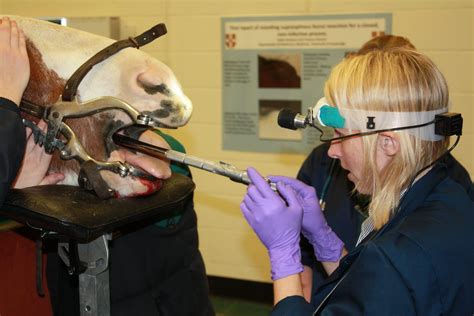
pixel 415 196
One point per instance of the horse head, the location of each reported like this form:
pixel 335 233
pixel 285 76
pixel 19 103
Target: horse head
pixel 130 75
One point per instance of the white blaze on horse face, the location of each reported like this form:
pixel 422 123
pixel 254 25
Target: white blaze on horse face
pixel 143 82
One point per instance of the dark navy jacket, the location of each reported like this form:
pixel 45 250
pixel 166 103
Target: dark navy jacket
pixel 342 208
pixel 12 144
pixel 420 263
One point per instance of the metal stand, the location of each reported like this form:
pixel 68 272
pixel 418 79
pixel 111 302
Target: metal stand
pixel 83 225
pixel 91 262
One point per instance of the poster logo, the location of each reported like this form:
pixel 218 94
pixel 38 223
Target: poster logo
pixel 230 40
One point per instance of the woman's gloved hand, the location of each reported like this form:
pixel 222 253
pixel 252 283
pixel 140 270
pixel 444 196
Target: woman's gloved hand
pixel 327 246
pixel 277 223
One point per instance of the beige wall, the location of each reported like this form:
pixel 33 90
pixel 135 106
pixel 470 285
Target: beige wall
pixel 443 29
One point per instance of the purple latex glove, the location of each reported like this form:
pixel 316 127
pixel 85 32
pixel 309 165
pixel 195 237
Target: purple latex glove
pixel 276 223
pixel 327 246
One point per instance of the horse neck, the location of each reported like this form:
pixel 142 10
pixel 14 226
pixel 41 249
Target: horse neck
pixel 62 49
pixel 55 52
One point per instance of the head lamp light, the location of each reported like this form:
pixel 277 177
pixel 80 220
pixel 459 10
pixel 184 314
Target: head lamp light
pixel 366 122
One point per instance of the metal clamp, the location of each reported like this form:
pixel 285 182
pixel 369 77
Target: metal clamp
pixel 73 149
pixel 61 110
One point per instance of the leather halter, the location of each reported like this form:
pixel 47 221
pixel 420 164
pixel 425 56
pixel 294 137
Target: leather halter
pixel 72 84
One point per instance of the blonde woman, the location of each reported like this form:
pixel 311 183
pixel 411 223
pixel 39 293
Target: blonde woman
pixel 345 209
pixel 415 253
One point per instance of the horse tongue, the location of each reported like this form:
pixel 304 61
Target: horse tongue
pixel 155 167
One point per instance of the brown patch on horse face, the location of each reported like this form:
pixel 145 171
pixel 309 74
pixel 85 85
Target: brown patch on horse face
pixel 88 132
pixel 44 88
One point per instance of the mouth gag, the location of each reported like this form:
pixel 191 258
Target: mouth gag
pixel 71 147
pixel 369 122
pixel 69 107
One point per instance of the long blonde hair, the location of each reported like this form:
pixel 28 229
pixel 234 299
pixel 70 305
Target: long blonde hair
pixel 392 80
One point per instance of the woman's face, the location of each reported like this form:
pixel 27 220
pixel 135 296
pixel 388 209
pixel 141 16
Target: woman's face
pixel 349 152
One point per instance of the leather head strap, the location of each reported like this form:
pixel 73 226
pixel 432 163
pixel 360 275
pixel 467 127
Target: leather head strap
pixel 72 84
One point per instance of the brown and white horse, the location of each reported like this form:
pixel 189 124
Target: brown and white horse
pixel 131 75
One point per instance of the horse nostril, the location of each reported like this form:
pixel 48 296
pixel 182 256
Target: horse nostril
pixel 161 113
pixel 167 108
pixel 168 105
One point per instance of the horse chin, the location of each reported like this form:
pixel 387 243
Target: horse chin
pixel 123 187
pixel 130 186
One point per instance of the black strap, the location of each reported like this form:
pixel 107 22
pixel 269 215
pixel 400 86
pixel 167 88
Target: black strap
pixel 39 267
pixel 72 84
pixel 32 108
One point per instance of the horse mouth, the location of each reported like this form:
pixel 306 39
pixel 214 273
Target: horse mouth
pixel 139 182
pixel 145 174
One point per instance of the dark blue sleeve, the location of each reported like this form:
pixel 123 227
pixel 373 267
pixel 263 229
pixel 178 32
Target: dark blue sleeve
pixel 12 144
pixel 292 306
pixel 382 282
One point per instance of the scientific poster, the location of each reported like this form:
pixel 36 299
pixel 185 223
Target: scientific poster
pixel 270 63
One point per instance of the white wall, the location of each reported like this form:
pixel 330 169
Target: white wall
pixel 442 29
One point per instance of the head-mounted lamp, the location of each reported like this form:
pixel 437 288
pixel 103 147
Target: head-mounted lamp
pixel 367 122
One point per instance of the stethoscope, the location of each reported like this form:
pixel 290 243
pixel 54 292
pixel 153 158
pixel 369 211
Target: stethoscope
pixel 322 198
pixel 334 167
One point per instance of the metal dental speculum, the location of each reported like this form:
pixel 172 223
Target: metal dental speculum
pixel 71 148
